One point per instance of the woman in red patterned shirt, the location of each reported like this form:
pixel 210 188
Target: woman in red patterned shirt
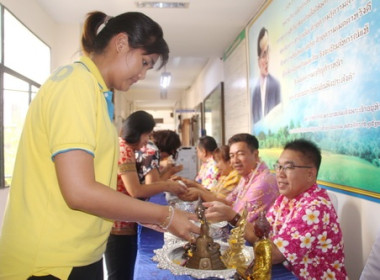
pixel 122 243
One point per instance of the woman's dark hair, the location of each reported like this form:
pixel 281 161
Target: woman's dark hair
pixel 166 141
pixel 249 139
pixel 223 152
pixel 135 125
pixel 143 33
pixel 208 143
pixel 309 150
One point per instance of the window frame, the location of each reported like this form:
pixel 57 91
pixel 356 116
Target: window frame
pixel 6 70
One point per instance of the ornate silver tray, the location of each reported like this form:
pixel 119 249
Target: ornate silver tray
pixel 170 257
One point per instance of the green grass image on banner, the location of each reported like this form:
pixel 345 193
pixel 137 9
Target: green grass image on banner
pixel 338 169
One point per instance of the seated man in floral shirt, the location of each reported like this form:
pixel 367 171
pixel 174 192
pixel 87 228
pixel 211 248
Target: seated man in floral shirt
pixel 305 231
pixel 256 190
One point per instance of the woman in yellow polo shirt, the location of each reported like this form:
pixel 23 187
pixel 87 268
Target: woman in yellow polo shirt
pixel 62 200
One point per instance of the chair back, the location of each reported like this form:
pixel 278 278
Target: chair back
pixel 333 199
pixel 371 269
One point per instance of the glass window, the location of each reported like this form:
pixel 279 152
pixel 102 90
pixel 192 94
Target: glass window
pixel 23 51
pixel 26 65
pixel 34 92
pixel 16 102
pixel 1 35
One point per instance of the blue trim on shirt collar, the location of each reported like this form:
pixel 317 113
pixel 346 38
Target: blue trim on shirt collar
pixel 107 95
pixel 110 106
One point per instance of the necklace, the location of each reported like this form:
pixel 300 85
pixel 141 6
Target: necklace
pixel 247 185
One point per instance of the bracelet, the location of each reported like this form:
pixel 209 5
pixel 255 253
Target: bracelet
pixel 235 220
pixel 168 220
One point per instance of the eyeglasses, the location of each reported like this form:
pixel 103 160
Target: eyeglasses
pixel 288 167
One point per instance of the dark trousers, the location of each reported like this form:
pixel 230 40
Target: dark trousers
pixel 93 271
pixel 121 256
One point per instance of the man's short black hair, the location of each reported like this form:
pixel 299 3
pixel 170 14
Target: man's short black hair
pixel 207 143
pixel 310 150
pixel 249 139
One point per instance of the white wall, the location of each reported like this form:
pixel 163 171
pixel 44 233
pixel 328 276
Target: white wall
pixel 208 79
pixel 211 75
pixel 359 223
pixel 67 45
pixel 123 107
pixel 236 97
pixel 167 116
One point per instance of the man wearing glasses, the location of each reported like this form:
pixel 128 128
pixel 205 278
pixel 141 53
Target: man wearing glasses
pixel 266 94
pixel 305 232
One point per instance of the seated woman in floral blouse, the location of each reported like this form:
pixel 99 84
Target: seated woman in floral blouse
pixel 208 174
pixel 228 180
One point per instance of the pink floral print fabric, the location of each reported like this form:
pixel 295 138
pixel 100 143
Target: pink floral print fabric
pixel 208 174
pixel 257 192
pixel 306 231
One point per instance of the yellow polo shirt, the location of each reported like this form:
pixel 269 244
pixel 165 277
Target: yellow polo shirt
pixel 41 234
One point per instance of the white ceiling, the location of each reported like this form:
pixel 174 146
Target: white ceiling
pixel 204 30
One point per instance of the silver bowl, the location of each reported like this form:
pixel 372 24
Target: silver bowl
pixel 170 257
pixel 173 200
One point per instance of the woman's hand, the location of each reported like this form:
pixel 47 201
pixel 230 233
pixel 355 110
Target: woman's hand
pixel 176 178
pixel 191 183
pixel 217 211
pixel 176 187
pixel 182 225
pixel 191 195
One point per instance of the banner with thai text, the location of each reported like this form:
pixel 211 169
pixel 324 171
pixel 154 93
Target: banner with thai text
pixel 315 73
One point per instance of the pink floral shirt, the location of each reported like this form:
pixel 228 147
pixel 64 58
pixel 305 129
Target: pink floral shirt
pixel 208 174
pixel 257 191
pixel 306 231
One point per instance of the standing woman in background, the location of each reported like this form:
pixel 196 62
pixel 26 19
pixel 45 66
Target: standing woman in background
pixel 208 174
pixel 62 199
pixel 228 180
pixel 155 161
pixel 122 244
pixel 168 143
